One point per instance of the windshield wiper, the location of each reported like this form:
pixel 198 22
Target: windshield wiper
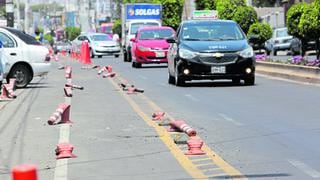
pixel 192 39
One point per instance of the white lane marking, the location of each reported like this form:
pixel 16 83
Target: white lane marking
pixel 305 168
pixel 191 97
pixel 229 119
pixel 287 80
pixel 143 77
pixel 61 170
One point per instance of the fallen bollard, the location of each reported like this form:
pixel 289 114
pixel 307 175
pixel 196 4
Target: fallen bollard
pixel 181 126
pixel 64 150
pixel 130 88
pixel 158 116
pixel 7 92
pixel 73 86
pixel 194 147
pixel 61 115
pixel 24 172
pixel 112 74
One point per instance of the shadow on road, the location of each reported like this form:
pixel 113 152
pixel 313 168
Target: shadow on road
pixel 215 84
pixel 154 66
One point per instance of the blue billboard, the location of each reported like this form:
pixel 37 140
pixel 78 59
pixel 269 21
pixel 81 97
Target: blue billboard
pixel 143 11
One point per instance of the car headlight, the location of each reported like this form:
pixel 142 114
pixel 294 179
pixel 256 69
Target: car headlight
pixel 96 44
pixel 142 48
pixel 247 53
pixel 186 54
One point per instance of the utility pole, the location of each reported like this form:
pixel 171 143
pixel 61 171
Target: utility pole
pixel 18 14
pixel 26 16
pixel 10 13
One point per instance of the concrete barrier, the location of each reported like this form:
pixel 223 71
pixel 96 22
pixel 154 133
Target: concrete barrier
pixel 289 71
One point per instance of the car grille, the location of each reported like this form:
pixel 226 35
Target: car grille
pixel 209 58
pixel 159 49
pixel 109 46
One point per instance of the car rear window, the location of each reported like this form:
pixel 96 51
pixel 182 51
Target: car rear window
pixel 23 36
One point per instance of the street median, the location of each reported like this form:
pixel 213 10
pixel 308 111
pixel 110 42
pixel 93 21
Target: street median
pixel 289 71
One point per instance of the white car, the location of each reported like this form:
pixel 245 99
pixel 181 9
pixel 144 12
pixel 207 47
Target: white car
pixel 100 44
pixel 25 56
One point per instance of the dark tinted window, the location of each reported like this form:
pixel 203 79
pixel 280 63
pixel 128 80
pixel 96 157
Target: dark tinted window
pixel 156 34
pixel 23 36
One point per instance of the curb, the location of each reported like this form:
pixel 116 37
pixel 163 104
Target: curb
pixel 289 71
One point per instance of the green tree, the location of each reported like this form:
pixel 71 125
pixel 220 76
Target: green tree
pixel 171 12
pixel 72 32
pixel 49 38
pixel 262 32
pixel 293 19
pixel 205 5
pixel 116 28
pixel 245 16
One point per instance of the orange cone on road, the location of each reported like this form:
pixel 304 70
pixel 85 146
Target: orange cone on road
pixel 86 53
pixel 194 147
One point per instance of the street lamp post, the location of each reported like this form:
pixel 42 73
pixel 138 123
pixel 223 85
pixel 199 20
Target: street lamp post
pixel 10 14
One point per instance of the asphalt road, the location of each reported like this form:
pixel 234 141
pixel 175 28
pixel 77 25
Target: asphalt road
pixel 266 131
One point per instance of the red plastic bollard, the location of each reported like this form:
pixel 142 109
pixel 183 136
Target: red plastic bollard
pixel 181 126
pixel 86 56
pixel 64 150
pixel 109 69
pixel 24 172
pixel 68 72
pixel 12 83
pixel 194 147
pixel 62 113
pixel 112 74
pixel 7 92
pixel 158 116
pixel 68 91
pixel 73 86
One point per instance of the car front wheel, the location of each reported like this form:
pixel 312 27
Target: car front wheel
pixel 178 80
pixel 249 81
pixel 22 75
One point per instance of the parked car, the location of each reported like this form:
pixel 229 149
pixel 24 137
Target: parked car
pixel 100 44
pixel 296 46
pixel 280 41
pixel 150 45
pixel 210 50
pixel 62 45
pixel 26 57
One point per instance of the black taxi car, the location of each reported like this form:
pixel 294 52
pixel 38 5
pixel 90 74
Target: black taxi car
pixel 210 49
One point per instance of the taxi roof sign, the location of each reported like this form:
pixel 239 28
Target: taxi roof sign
pixel 205 14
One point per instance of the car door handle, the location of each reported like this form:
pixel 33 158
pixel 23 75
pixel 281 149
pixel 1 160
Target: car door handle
pixel 13 54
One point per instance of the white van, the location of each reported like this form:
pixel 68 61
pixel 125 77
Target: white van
pixel 26 57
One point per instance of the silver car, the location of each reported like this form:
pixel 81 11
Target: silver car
pixel 280 41
pixel 100 44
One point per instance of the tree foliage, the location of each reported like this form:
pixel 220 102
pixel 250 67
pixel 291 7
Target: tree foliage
pixel 262 31
pixel 245 16
pixel 205 5
pixel 171 12
pixel 293 19
pixel 49 38
pixel 72 32
pixel 116 28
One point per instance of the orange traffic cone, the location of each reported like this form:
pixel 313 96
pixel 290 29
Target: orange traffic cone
pixel 86 54
pixel 24 172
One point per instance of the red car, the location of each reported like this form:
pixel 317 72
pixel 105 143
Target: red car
pixel 150 45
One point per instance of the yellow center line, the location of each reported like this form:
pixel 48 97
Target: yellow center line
pixel 166 139
pixel 226 167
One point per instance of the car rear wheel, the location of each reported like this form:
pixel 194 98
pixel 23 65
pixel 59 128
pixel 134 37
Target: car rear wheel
pixel 129 58
pixel 99 56
pixel 275 52
pixel 178 80
pixel 117 55
pixel 249 81
pixel 91 53
pixel 125 57
pixel 22 75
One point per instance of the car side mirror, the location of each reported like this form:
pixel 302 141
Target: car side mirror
pixel 171 40
pixel 133 40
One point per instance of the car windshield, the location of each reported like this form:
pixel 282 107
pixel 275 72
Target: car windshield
pixel 101 37
pixel 282 33
pixel 136 26
pixel 212 32
pixel 155 34
pixel 24 37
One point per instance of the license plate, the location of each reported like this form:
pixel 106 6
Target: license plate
pixel 218 69
pixel 160 54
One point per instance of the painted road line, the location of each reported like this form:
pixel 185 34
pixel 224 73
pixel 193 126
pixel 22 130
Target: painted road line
pixel 189 96
pixel 166 139
pixel 61 169
pixel 229 119
pixel 142 77
pixel 227 168
pixel 305 168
